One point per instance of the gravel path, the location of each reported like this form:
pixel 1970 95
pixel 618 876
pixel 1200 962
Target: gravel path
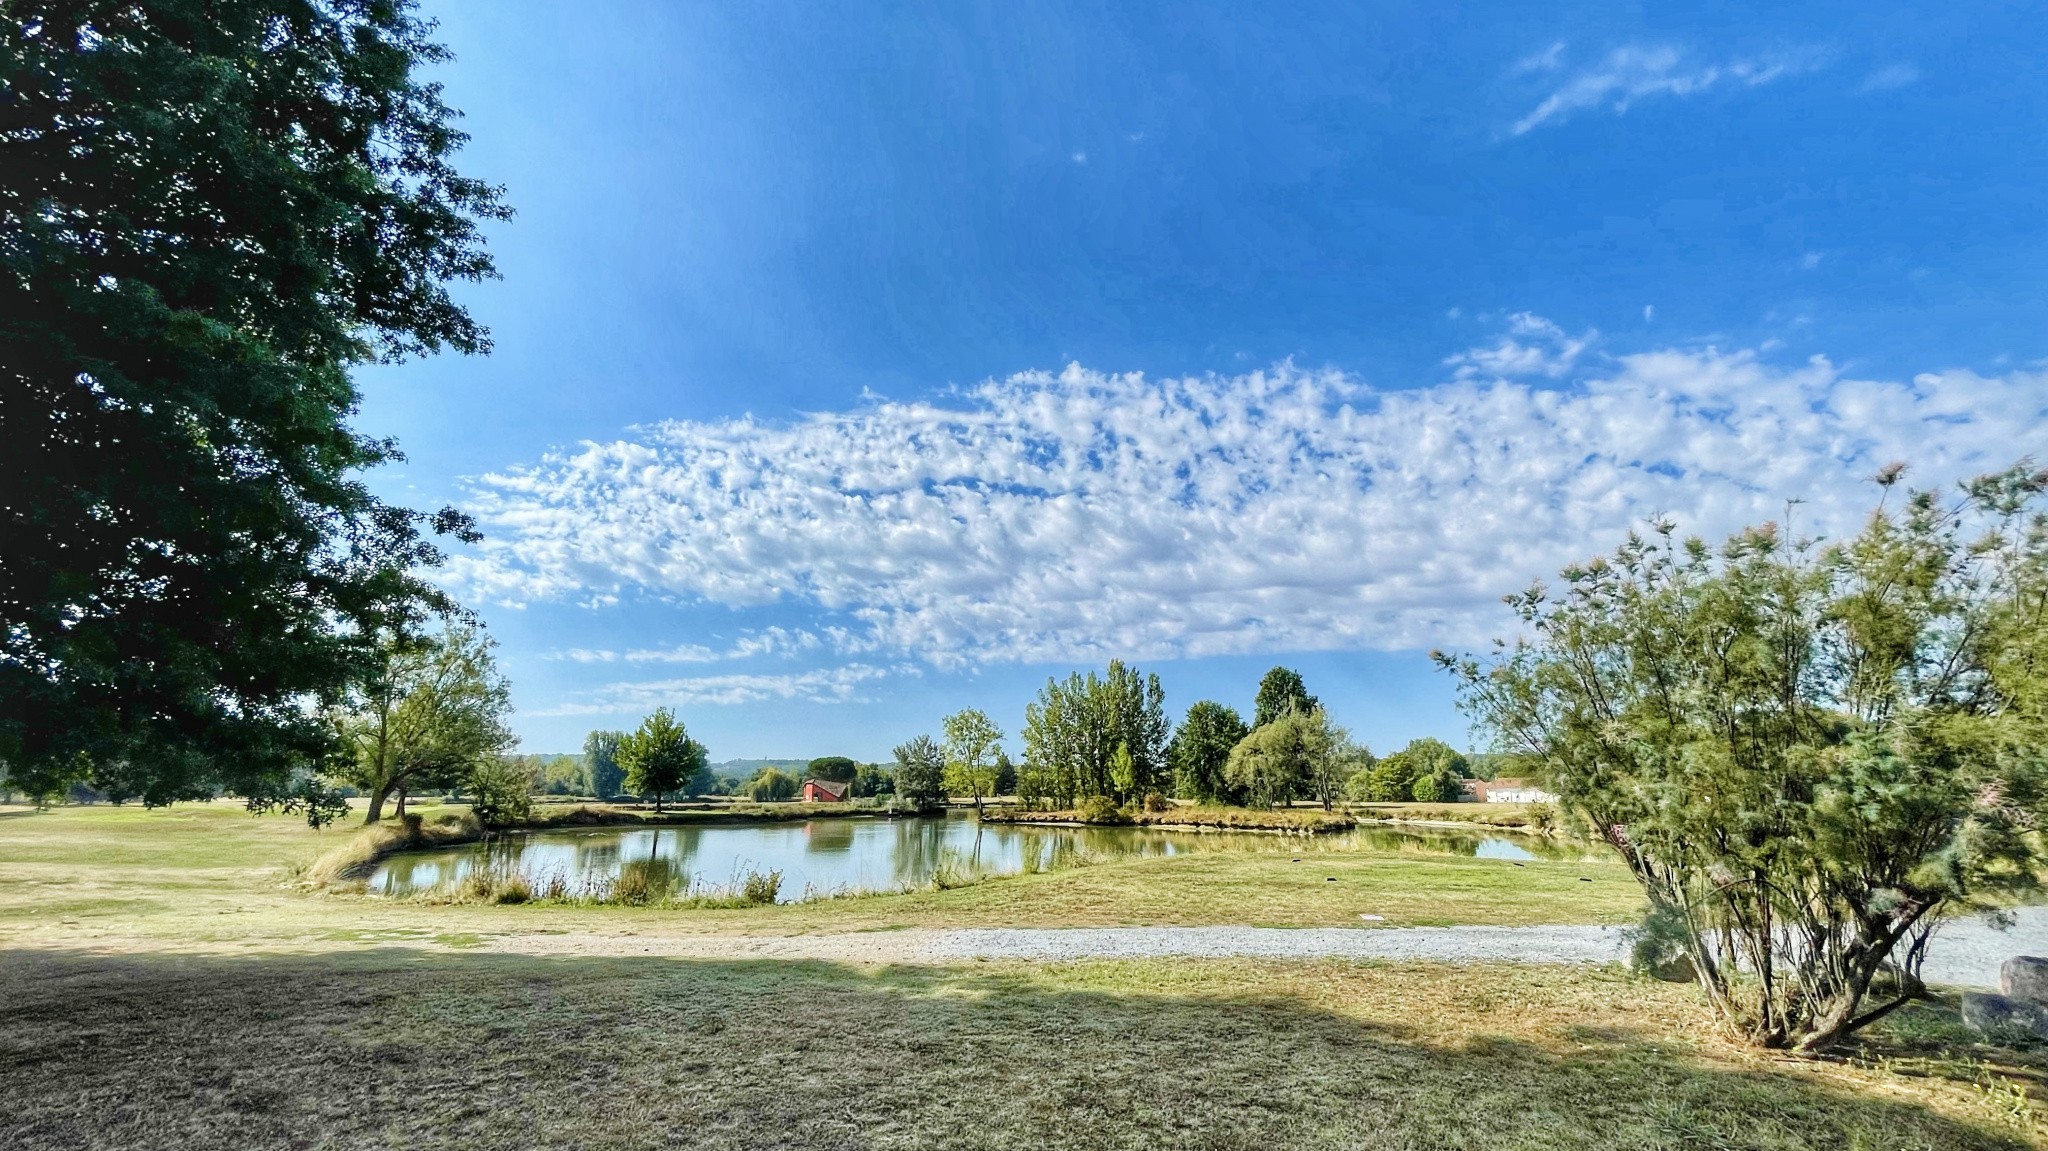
pixel 1966 953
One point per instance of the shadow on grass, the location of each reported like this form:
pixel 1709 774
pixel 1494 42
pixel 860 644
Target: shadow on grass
pixel 397 1047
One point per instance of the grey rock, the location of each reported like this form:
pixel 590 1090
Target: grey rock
pixel 2004 1016
pixel 1677 969
pixel 2025 977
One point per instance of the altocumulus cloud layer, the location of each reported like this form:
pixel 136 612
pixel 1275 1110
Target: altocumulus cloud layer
pixel 1083 515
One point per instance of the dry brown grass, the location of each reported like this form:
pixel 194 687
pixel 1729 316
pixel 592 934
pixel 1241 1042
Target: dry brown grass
pixel 390 1048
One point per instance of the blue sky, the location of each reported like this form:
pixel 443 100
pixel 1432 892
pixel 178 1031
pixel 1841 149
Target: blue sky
pixel 858 364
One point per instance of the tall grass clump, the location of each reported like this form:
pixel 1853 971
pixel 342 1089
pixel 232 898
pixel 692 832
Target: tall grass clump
pixel 761 886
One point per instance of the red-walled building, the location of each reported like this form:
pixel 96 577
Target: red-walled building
pixel 823 791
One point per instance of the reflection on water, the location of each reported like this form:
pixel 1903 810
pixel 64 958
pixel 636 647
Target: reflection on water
pixel 828 856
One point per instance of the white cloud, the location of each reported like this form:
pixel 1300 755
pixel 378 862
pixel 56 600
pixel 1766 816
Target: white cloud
pixel 1079 157
pixel 1630 73
pixel 1891 76
pixel 824 685
pixel 1532 346
pixel 767 641
pixel 1548 60
pixel 1080 515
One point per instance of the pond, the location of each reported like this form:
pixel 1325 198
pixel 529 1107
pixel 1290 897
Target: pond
pixel 840 855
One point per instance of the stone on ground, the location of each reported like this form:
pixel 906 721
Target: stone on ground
pixel 2025 977
pixel 2003 1015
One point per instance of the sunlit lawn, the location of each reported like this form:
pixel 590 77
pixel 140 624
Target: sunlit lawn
pixel 204 873
pixel 168 986
pixel 389 1048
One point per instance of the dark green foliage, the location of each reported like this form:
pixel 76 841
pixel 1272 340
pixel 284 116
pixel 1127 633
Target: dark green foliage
pixel 210 210
pixel 661 759
pixel 772 786
pixel 1073 731
pixel 920 773
pixel 602 775
pixel 1425 771
pixel 873 779
pixel 1494 765
pixel 304 794
pixel 833 767
pixel 500 790
pixel 1281 691
pixel 1101 809
pixel 1300 753
pixel 1807 755
pixel 1201 748
pixel 1438 785
pixel 1006 774
pixel 555 774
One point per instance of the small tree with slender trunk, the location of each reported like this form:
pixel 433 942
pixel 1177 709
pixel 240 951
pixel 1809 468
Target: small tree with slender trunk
pixel 660 758
pixel 920 773
pixel 433 710
pixel 972 743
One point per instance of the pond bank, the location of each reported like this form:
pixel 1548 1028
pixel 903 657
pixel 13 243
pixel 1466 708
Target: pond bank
pixel 1288 821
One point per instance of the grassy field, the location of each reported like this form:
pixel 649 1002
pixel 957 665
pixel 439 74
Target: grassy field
pixel 212 875
pixel 390 1048
pixel 168 986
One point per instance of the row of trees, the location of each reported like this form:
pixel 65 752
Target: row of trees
pixel 1105 737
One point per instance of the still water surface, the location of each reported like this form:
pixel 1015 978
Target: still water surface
pixel 830 856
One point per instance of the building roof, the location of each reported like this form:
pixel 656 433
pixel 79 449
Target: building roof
pixel 838 787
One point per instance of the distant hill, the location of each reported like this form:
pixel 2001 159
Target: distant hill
pixel 746 767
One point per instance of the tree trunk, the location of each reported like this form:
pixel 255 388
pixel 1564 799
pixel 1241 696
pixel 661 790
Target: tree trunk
pixel 400 810
pixel 377 798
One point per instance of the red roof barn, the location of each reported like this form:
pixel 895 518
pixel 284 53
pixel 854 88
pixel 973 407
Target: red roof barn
pixel 823 791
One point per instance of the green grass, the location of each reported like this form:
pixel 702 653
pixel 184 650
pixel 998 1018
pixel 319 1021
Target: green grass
pixel 172 982
pixel 392 1047
pixel 210 874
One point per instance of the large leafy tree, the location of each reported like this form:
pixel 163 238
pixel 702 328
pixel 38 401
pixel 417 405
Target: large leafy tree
pixel 833 767
pixel 1201 747
pixel 772 785
pixel 430 715
pixel 210 211
pixel 1427 771
pixel 920 773
pixel 602 775
pixel 1281 691
pixel 660 759
pixel 1808 754
pixel 1074 728
pixel 1301 752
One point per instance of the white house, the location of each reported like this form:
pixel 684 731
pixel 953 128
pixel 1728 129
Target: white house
pixel 1507 791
